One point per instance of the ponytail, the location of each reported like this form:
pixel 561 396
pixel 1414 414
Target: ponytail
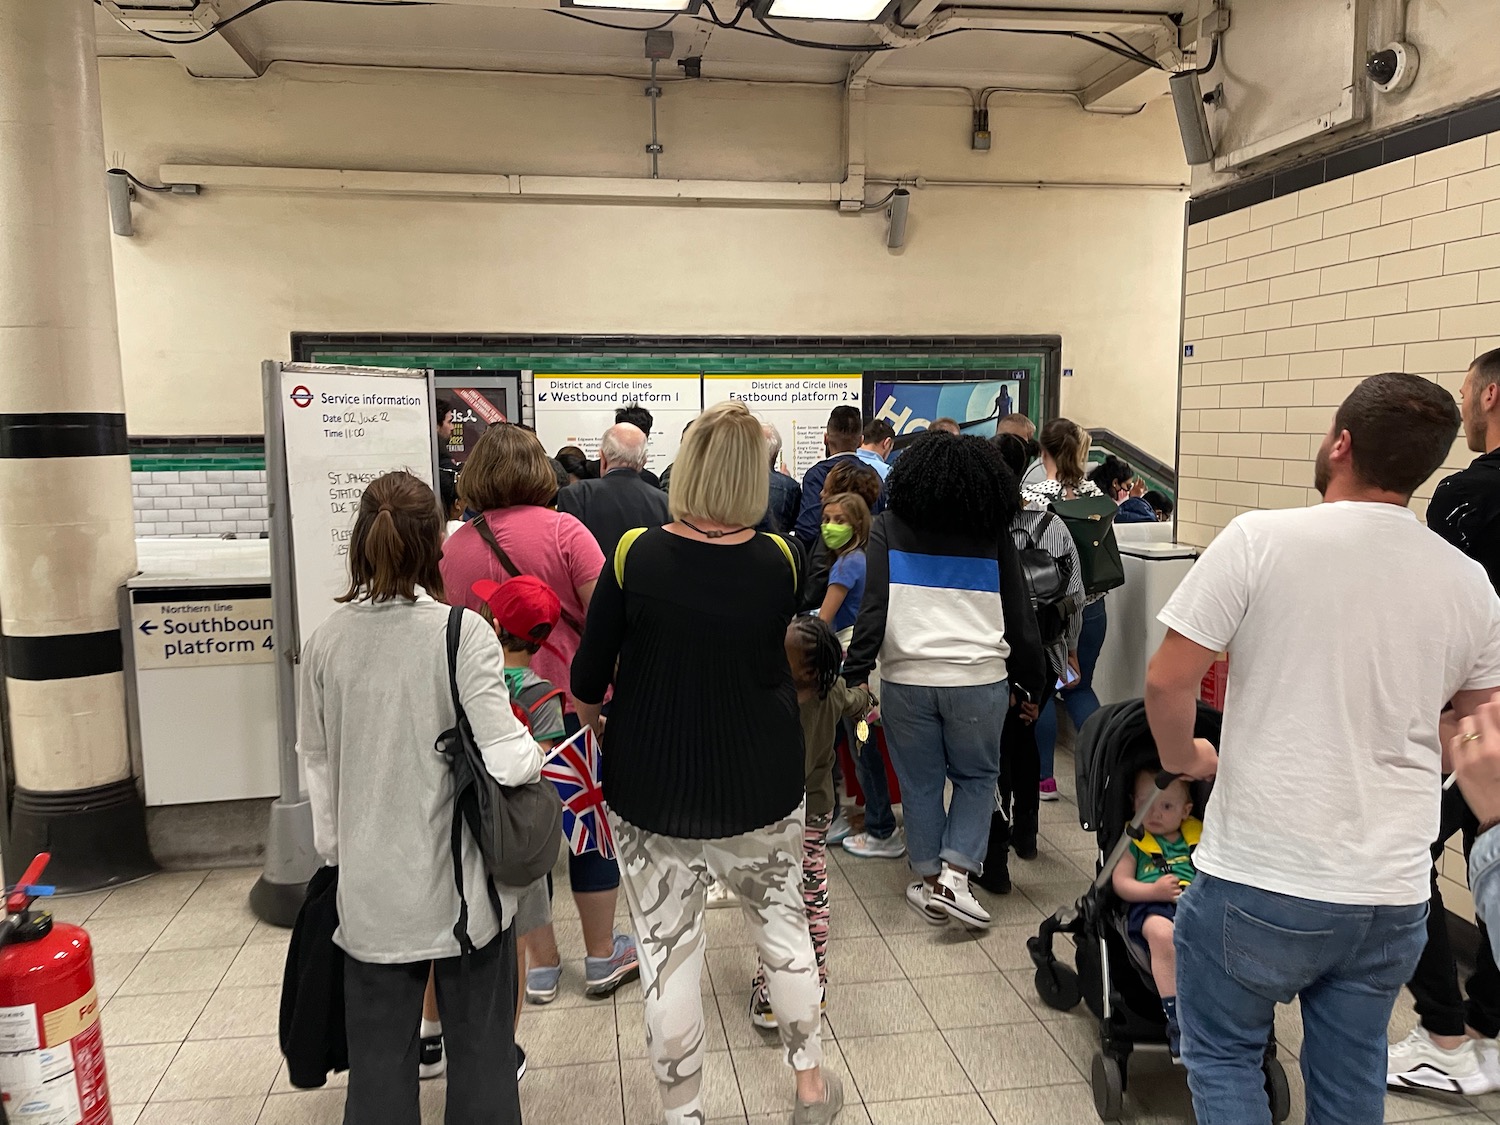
pixel 1067 443
pixel 396 543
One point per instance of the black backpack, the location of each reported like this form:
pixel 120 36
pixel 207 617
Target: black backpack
pixel 1046 581
pixel 1090 520
pixel 518 828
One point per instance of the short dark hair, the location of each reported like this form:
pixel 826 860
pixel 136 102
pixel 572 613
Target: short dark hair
pixel 637 415
pixel 944 482
pixel 442 408
pixel 1402 428
pixel 1159 501
pixel 1487 367
pixel 845 421
pixel 878 430
pixel 1015 450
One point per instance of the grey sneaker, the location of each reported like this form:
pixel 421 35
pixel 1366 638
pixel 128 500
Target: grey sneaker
pixel 605 974
pixel 823 1112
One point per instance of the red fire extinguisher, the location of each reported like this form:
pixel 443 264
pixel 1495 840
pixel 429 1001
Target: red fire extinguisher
pixel 51 1047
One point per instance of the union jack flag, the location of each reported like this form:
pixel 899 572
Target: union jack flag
pixel 574 770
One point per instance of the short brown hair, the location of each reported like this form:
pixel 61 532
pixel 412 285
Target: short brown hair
pixel 508 468
pixel 397 541
pixel 850 474
pixel 1401 428
pixel 1486 368
pixel 857 513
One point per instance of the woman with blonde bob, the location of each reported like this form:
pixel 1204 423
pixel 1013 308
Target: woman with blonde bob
pixel 703 760
pixel 374 698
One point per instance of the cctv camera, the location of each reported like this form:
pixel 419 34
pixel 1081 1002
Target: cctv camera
pixel 1394 68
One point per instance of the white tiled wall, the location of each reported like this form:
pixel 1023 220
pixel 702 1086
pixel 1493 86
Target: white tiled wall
pixel 192 504
pixel 1291 302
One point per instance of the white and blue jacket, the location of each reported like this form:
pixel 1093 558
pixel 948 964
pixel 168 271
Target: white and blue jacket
pixel 944 609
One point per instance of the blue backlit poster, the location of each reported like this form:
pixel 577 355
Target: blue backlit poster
pixel 975 405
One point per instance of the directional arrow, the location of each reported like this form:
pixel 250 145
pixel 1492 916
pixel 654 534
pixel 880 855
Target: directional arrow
pixel 148 627
pixel 542 397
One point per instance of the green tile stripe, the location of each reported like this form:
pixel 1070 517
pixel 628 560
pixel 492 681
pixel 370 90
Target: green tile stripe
pixel 195 462
pixel 709 363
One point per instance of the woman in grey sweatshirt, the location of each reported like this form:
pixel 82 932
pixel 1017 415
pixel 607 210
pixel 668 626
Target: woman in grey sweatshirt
pixel 374 698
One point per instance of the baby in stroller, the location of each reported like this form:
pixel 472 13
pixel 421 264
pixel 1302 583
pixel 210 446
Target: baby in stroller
pixel 1151 876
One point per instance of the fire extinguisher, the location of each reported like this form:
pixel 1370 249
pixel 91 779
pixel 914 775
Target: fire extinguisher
pixel 51 1046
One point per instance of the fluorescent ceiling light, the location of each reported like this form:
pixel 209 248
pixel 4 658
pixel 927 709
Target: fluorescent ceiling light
pixel 636 5
pixel 849 11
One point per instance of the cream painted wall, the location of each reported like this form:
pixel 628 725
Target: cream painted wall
pixel 213 284
pixel 1282 59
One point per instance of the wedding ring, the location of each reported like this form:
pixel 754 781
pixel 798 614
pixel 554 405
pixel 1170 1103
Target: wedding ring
pixel 1472 737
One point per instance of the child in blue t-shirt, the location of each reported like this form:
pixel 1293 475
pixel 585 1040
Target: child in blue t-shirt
pixel 846 532
pixel 1151 876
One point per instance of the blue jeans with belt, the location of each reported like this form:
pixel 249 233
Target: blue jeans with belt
pixel 941 734
pixel 1241 951
pixel 1079 699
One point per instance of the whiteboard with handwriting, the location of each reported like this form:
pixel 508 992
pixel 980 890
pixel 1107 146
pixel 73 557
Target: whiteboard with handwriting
pixel 344 427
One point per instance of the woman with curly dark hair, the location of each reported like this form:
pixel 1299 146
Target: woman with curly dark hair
pixel 947 615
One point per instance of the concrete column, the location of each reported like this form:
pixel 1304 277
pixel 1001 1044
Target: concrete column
pixel 66 530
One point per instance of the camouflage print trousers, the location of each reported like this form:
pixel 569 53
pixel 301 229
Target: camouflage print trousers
pixel 665 880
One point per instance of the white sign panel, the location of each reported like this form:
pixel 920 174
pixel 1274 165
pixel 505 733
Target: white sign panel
pixel 202 629
pixel 577 409
pixel 798 405
pixel 342 431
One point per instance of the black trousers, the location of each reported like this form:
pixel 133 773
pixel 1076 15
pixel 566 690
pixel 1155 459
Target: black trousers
pixel 477 1002
pixel 1020 777
pixel 1440 1003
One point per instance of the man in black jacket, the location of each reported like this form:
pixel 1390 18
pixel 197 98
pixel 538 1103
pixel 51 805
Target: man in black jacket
pixel 1453 1046
pixel 619 500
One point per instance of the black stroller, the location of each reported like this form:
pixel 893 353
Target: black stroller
pixel 1113 976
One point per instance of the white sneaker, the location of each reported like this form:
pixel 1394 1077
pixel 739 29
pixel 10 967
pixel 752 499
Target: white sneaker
pixel 919 898
pixel 839 830
pixel 866 846
pixel 1418 1063
pixel 954 895
pixel 1488 1051
pixel 719 895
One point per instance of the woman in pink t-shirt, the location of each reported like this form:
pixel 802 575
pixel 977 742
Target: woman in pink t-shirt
pixel 509 478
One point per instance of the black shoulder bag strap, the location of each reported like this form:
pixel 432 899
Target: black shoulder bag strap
pixel 465 807
pixel 487 533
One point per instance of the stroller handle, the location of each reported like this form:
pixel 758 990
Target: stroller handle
pixel 1164 779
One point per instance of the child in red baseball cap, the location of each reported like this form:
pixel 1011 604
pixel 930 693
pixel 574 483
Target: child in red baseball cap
pixel 524 610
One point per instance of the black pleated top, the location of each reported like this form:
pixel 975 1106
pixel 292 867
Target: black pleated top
pixel 703 739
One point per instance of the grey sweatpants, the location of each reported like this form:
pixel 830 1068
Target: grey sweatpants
pixel 665 880
pixel 383 1011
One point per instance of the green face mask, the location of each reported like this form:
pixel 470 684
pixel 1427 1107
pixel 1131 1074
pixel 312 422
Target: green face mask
pixel 837 535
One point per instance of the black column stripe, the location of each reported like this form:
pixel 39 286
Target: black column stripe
pixel 62 434
pixel 64 657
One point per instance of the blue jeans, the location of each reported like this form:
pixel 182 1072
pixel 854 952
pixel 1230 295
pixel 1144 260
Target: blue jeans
pixel 869 767
pixel 941 734
pixel 1079 699
pixel 1241 951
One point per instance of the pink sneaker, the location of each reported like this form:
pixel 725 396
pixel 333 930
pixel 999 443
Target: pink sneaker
pixel 1049 789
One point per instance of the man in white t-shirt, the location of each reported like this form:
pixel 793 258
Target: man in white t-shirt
pixel 1349 627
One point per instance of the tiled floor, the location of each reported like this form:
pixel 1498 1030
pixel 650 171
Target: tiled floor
pixel 931 1028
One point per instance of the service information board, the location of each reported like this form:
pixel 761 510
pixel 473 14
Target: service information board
pixel 342 431
pixel 798 405
pixel 196 628
pixel 574 409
